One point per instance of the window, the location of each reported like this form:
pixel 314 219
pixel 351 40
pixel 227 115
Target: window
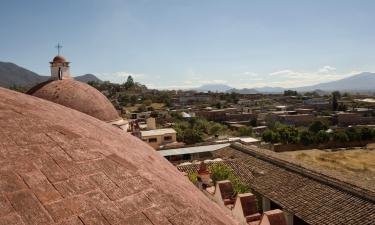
pixel 168 138
pixel 152 140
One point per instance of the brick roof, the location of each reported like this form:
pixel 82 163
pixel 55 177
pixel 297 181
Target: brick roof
pixel 76 95
pixel 59 166
pixel 307 198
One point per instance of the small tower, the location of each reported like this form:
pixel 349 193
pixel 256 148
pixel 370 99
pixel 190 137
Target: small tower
pixel 59 66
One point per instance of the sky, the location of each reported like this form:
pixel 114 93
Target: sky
pixel 183 44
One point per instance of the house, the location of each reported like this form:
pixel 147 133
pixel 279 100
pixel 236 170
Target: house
pixel 158 137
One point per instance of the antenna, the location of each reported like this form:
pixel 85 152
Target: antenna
pixel 59 47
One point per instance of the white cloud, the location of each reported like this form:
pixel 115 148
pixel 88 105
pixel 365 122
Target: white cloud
pixel 326 69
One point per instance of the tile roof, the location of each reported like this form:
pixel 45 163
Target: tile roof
pixel 313 201
pixel 60 166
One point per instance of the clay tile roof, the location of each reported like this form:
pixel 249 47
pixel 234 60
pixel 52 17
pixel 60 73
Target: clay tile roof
pixel 60 166
pixel 59 59
pixel 274 217
pixel 76 95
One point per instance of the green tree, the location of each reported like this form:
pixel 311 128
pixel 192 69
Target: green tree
pixel 129 82
pixel 340 136
pixel 317 126
pixel 321 137
pixel 219 172
pixel 270 136
pixel 306 138
pixel 367 133
pixel 245 131
pixel 335 97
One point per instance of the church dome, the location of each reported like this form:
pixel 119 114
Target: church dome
pixel 59 59
pixel 60 166
pixel 76 95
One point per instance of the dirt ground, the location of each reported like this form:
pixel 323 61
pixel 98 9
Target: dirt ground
pixel 357 165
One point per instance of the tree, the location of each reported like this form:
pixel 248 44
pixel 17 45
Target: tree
pixel 129 82
pixel 367 133
pixel 321 137
pixel 288 134
pixel 219 172
pixel 245 131
pixel 290 93
pixel 335 97
pixel 270 136
pixel 254 122
pixel 340 136
pixel 317 126
pixel 306 138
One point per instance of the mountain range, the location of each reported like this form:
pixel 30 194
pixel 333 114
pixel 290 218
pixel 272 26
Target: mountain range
pixel 363 82
pixel 14 75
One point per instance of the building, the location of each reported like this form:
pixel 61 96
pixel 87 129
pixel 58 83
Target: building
pixel 62 89
pixel 60 166
pixel 306 195
pixel 159 137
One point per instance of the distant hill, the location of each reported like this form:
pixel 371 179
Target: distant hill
pixel 88 77
pixel 14 75
pixel 243 91
pixel 11 74
pixel 360 82
pixel 213 88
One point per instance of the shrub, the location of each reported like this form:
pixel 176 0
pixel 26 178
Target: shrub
pixel 193 177
pixel 219 172
pixel 340 136
pixel 321 137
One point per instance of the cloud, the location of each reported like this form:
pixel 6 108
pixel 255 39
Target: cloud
pixel 294 78
pixel 326 69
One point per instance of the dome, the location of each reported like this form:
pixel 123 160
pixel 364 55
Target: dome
pixel 77 95
pixel 60 166
pixel 59 59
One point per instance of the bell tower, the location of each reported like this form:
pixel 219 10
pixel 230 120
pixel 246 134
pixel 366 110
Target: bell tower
pixel 59 66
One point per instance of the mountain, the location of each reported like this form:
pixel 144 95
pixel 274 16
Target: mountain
pixel 11 74
pixel 243 91
pixel 14 75
pixel 360 82
pixel 213 88
pixel 87 78
pixel 266 89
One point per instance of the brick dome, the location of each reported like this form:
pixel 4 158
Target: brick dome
pixel 59 59
pixel 76 95
pixel 60 166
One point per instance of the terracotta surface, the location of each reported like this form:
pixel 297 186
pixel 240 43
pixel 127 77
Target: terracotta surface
pixel 59 59
pixel 76 95
pixel 59 166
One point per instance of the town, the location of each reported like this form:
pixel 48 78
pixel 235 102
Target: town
pixel 187 112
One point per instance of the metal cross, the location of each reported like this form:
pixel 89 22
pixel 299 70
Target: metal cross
pixel 59 47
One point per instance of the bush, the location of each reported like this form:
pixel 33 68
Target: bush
pixel 306 138
pixel 340 136
pixel 193 177
pixel 270 136
pixel 222 172
pixel 317 126
pixel 219 172
pixel 245 131
pixel 321 137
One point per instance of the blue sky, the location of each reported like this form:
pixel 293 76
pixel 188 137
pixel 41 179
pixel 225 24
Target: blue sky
pixel 183 44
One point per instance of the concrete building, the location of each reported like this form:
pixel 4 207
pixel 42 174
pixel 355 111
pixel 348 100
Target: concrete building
pixel 159 137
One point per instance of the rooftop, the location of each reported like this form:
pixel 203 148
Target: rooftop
pixel 60 166
pixel 308 195
pixel 157 132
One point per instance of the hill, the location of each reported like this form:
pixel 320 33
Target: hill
pixel 360 82
pixel 87 78
pixel 213 88
pixel 14 75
